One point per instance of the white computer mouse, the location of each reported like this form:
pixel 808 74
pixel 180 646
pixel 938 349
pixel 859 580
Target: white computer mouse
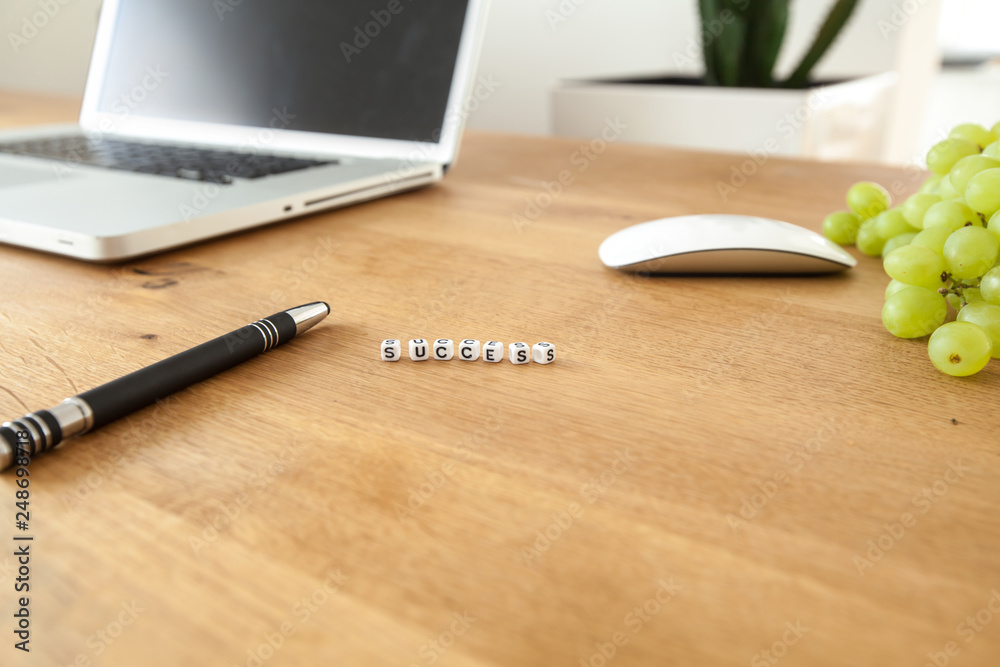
pixel 721 243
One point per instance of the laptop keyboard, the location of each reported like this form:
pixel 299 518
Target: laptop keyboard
pixel 197 164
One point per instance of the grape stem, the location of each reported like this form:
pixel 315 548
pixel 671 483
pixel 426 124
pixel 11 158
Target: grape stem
pixel 957 287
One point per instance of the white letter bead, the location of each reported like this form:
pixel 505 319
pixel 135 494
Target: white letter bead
pixel 493 352
pixel 444 349
pixel 543 353
pixel 520 353
pixel 420 350
pixel 391 350
pixel 468 350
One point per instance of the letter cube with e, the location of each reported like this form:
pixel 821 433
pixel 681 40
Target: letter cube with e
pixel 391 350
pixel 444 349
pixel 493 352
pixel 468 350
pixel 420 350
pixel 520 353
pixel 543 353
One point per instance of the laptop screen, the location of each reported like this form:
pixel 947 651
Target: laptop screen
pixel 370 69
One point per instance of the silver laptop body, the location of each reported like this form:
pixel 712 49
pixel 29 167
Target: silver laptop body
pixel 203 118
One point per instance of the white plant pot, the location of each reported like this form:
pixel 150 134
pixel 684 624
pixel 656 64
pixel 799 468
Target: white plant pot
pixel 837 121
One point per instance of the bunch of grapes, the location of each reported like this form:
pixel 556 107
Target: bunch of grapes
pixel 940 248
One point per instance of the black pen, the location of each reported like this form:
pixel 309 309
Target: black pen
pixel 41 431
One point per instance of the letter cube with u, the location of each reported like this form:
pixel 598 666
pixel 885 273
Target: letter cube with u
pixel 420 350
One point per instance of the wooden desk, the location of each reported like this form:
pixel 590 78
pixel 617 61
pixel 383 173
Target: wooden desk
pixel 458 513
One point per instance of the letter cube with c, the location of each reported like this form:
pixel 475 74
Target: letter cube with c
pixel 468 350
pixel 444 349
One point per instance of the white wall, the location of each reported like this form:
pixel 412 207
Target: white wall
pixel 528 50
pixel 54 57
pixel 531 45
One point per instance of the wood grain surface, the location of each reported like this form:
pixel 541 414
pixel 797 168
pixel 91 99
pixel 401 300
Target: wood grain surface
pixel 716 471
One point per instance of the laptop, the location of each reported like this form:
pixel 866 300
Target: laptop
pixel 206 117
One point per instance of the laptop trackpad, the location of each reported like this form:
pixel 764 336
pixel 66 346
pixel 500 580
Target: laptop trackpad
pixel 20 176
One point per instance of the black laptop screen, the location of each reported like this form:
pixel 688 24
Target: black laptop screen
pixel 373 69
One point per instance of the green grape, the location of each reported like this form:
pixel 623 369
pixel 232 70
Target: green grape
pixel 993 150
pixel 933 238
pixel 916 206
pixel 995 130
pixel 953 301
pixel 967 167
pixel 842 227
pixel 931 185
pixel 983 192
pixel 943 156
pixel 892 223
pixel 960 348
pixel 946 190
pixel 868 199
pixel 952 213
pixel 897 241
pixel 868 240
pixel 973 295
pixel 915 265
pixel 973 133
pixel 989 288
pixel 893 287
pixel 987 317
pixel 914 312
pixel 970 252
pixel 994 225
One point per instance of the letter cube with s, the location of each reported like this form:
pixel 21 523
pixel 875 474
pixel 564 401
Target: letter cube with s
pixel 520 353
pixel 543 353
pixel 391 350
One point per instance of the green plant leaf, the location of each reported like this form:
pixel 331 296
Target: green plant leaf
pixel 767 21
pixel 831 28
pixel 708 8
pixel 729 42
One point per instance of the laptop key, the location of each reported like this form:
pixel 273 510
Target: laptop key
pixel 185 162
